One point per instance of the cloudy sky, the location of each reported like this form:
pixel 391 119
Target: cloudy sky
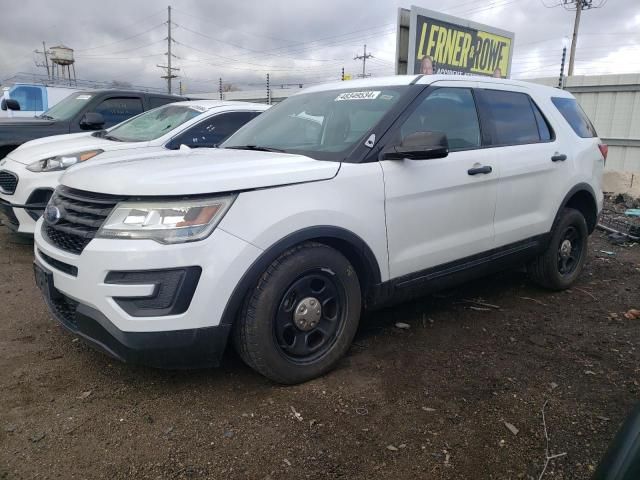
pixel 295 41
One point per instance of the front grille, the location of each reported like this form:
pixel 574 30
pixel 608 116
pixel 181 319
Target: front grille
pixel 81 216
pixel 8 182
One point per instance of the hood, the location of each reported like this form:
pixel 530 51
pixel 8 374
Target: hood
pixel 197 171
pixel 65 144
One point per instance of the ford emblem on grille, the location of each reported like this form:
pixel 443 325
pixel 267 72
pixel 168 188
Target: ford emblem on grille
pixel 52 214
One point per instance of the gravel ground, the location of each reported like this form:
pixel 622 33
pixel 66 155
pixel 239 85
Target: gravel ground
pixel 430 401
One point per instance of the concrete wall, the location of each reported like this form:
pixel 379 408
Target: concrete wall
pixel 612 102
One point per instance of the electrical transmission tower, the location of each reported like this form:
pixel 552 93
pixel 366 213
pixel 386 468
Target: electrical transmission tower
pixel 169 76
pixel 578 6
pixel 364 58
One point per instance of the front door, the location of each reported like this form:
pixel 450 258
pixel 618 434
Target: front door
pixel 441 210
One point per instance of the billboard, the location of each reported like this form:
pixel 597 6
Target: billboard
pixel 443 44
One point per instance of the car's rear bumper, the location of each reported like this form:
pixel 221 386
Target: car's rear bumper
pixel 189 348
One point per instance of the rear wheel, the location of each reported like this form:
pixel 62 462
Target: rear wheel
pixel 302 316
pixel 562 262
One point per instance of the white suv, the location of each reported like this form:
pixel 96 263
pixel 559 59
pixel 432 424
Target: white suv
pixel 347 196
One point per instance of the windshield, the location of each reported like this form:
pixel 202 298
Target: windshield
pixel 322 125
pixel 68 107
pixel 154 123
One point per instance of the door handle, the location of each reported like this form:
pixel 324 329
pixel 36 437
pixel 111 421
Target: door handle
pixel 477 170
pixel 559 157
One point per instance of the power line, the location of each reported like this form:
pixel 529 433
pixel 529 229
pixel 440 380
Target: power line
pixel 122 40
pixel 121 51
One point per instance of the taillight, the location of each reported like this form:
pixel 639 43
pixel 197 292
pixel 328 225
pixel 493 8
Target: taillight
pixel 604 150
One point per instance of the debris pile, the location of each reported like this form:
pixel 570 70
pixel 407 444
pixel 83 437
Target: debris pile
pixel 621 218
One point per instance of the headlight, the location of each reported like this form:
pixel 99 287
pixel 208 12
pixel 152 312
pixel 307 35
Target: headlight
pixel 62 162
pixel 166 222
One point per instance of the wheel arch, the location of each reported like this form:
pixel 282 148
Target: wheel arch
pixel 354 248
pixel 582 198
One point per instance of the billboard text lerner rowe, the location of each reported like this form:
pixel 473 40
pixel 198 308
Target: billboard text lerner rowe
pixel 440 43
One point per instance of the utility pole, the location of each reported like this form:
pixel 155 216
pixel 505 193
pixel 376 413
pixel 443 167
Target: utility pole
pixel 169 76
pixel 363 57
pixel 220 87
pixel 564 57
pixel 342 76
pixel 580 5
pixel 45 54
pixel 268 91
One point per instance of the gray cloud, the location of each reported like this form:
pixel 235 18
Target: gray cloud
pixel 241 41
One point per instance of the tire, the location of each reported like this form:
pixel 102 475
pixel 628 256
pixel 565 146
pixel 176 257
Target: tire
pixel 281 333
pixel 558 267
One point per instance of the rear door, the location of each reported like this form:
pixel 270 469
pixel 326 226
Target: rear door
pixel 531 159
pixel 440 210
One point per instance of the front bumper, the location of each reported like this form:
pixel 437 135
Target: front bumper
pixel 99 305
pixel 197 347
pixel 15 207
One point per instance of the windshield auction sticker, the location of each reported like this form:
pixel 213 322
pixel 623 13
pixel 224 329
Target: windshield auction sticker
pixel 370 95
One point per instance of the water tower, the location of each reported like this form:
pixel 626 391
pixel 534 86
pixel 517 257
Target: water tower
pixel 62 63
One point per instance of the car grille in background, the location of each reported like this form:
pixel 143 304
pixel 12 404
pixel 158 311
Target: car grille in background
pixel 82 215
pixel 8 182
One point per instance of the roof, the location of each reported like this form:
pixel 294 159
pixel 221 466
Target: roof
pixel 209 104
pixel 125 91
pixel 394 80
pixel 399 80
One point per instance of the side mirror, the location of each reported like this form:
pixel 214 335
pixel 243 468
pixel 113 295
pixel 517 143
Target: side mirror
pixel 622 460
pixel 11 104
pixel 92 121
pixel 419 146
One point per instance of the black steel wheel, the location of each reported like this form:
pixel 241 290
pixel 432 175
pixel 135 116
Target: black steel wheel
pixel 559 266
pixel 569 250
pixel 302 316
pixel 310 316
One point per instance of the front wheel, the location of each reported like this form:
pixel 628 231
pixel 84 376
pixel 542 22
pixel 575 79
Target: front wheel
pixel 302 316
pixel 558 267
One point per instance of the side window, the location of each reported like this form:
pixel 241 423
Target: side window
pixel 512 116
pixel 575 116
pixel 155 102
pixel 544 130
pixel 212 131
pixel 116 110
pixel 29 98
pixel 451 111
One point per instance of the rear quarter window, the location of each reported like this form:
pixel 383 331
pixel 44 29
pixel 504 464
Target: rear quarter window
pixel 575 116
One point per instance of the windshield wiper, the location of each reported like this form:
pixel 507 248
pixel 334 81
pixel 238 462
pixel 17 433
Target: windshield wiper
pixel 257 148
pixel 46 117
pixel 112 138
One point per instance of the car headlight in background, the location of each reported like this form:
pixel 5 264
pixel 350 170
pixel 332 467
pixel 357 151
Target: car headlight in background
pixel 166 222
pixel 62 162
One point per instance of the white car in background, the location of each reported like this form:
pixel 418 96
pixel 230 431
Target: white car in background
pixel 30 173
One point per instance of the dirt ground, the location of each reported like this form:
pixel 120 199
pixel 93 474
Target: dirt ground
pixel 429 402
